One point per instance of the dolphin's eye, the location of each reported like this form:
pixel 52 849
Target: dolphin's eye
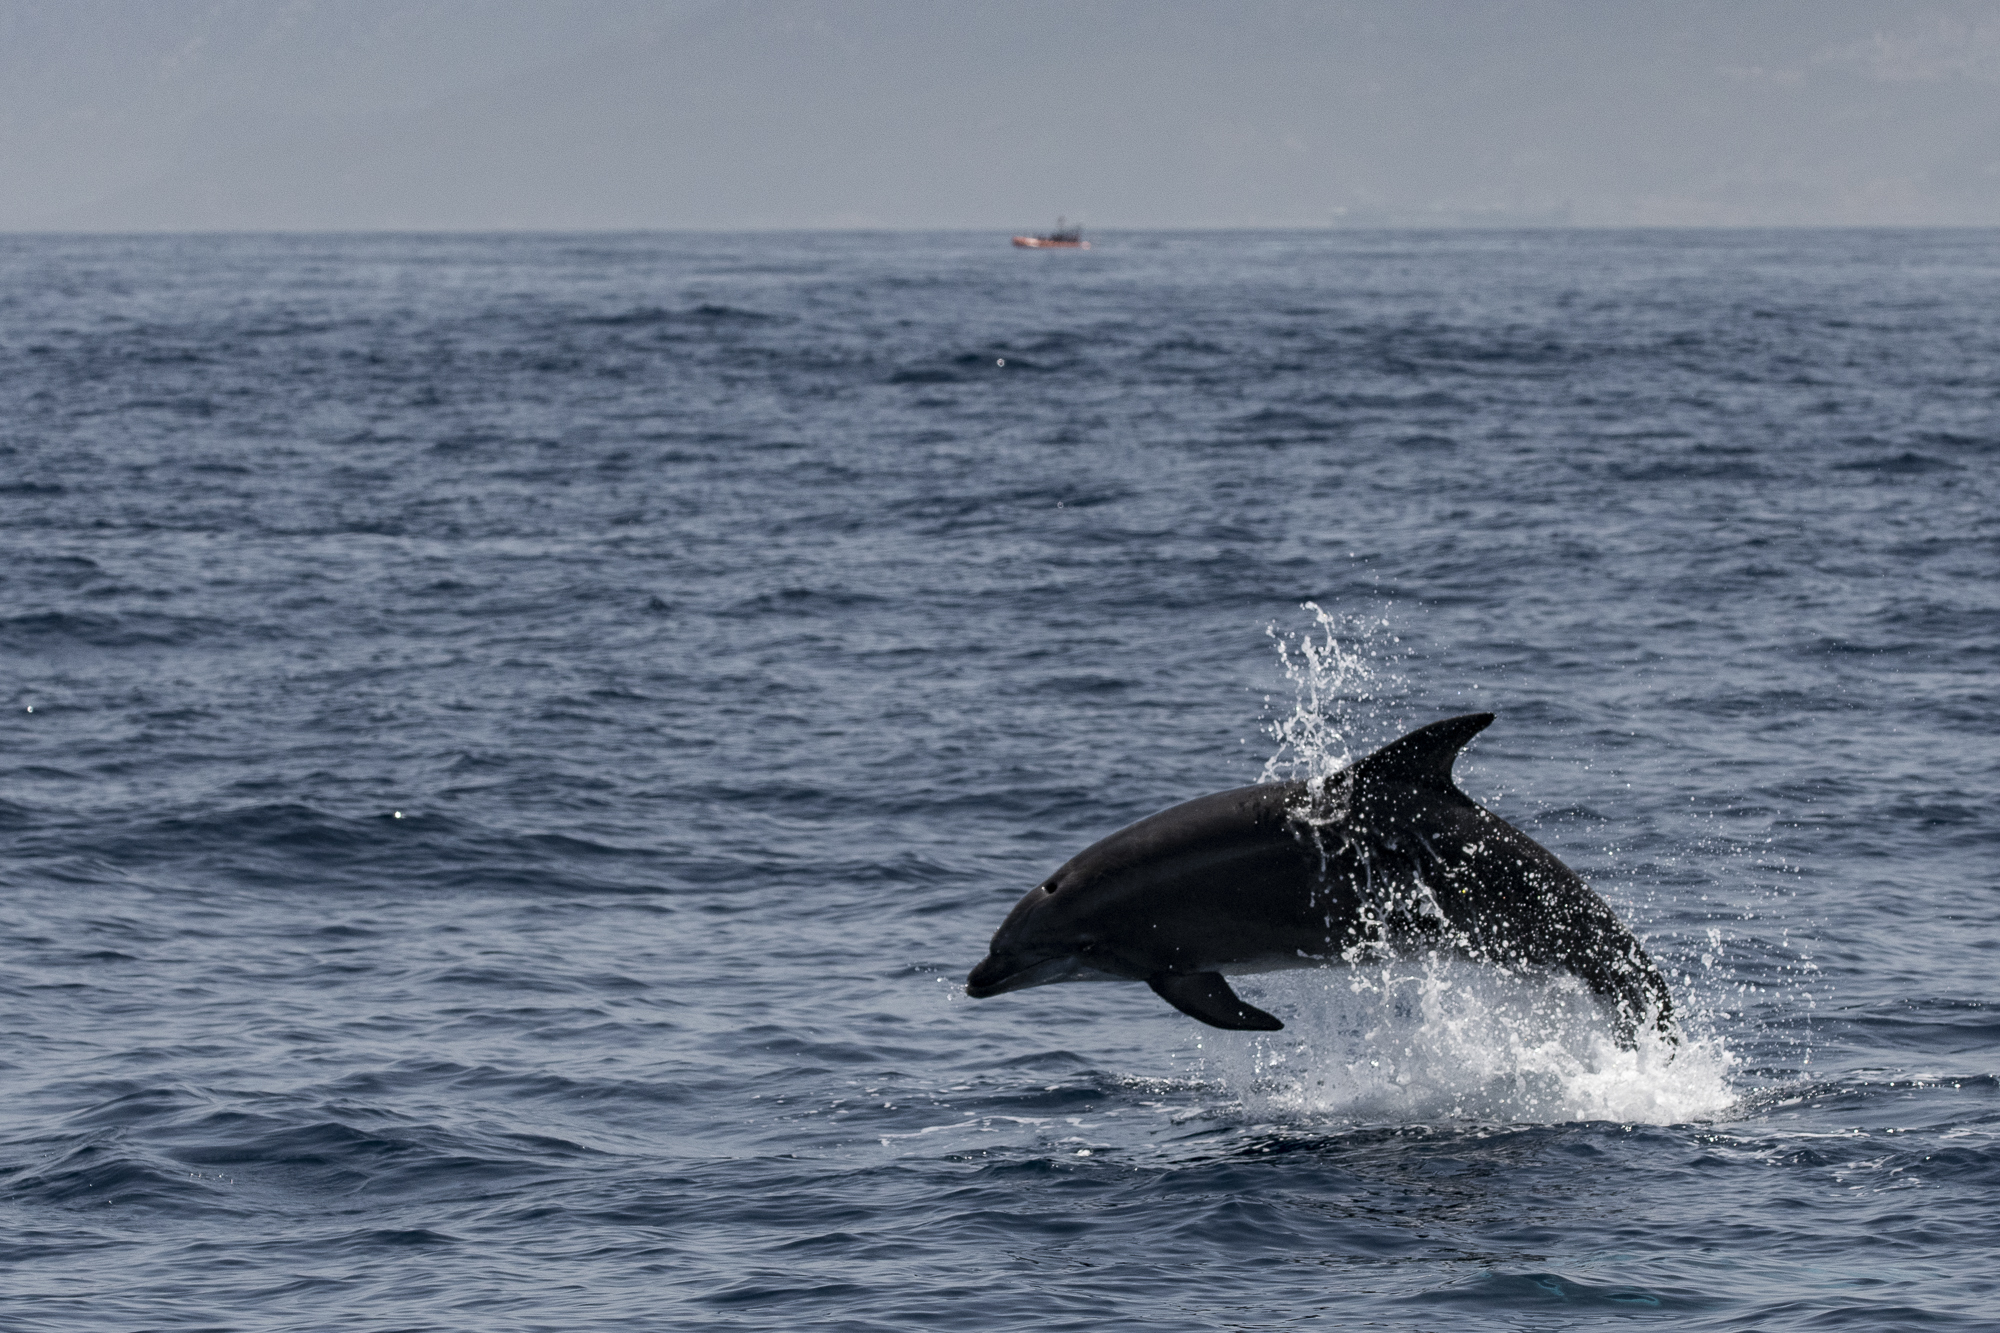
pixel 1049 886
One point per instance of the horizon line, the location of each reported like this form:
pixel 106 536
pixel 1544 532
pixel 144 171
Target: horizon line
pixel 756 230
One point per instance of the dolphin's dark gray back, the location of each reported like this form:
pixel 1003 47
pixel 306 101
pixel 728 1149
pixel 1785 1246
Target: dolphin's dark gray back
pixel 1503 896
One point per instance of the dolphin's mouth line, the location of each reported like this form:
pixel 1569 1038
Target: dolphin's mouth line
pixel 983 982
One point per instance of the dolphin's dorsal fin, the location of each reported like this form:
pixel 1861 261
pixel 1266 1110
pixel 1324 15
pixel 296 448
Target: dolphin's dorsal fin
pixel 1424 757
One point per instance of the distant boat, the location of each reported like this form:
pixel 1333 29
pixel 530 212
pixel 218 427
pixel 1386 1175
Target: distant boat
pixel 1062 238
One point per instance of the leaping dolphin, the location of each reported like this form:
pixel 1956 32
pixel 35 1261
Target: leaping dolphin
pixel 1386 855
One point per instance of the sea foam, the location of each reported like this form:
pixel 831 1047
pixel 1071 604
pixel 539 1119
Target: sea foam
pixel 1439 1038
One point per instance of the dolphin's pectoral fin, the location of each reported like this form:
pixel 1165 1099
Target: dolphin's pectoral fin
pixel 1206 996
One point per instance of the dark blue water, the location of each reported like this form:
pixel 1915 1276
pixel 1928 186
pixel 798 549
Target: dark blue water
pixel 512 744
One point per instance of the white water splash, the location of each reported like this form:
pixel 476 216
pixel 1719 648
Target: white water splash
pixel 1341 687
pixel 1441 1039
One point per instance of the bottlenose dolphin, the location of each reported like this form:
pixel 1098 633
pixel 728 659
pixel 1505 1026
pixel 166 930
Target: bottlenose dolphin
pixel 1386 856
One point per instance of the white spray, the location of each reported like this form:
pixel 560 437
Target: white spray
pixel 1432 1038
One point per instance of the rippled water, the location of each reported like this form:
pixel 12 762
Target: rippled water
pixel 512 744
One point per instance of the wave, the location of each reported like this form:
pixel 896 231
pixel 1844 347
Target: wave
pixel 707 313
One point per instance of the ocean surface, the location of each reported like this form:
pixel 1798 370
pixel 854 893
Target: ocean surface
pixel 512 744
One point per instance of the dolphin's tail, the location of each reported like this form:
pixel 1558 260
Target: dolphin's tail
pixel 1636 990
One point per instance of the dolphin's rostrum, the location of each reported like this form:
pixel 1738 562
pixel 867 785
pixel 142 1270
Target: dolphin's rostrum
pixel 1386 856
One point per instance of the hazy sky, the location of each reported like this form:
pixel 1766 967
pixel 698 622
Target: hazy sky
pixel 482 114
